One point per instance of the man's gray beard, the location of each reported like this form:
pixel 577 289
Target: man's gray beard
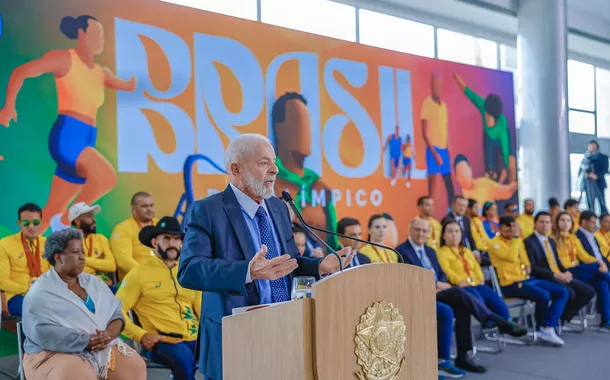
pixel 258 187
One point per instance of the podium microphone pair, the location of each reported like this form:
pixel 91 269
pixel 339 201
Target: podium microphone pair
pixel 286 196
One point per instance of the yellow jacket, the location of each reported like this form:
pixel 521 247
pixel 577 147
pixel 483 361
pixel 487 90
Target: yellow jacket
pixel 126 246
pixel 14 272
pixel 604 242
pixel 434 239
pixel 378 255
pixel 152 291
pixel 572 253
pixel 478 234
pixel 99 259
pixel 526 222
pixel 507 257
pixel 453 266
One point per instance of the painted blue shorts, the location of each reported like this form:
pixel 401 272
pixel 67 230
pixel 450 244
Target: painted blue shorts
pixel 68 139
pixel 406 161
pixel 433 168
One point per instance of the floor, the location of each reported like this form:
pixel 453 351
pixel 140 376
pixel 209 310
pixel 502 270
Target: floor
pixel 536 362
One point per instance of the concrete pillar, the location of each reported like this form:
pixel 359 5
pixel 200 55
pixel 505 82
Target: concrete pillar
pixel 542 65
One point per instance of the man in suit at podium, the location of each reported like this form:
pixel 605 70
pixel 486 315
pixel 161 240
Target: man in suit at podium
pixel 451 301
pixel 351 227
pixel 238 246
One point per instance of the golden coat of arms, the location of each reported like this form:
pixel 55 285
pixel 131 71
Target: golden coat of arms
pixel 380 342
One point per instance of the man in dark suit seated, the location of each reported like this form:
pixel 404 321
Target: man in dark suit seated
pixel 458 213
pixel 238 246
pixel 351 227
pixel 546 265
pixel 463 304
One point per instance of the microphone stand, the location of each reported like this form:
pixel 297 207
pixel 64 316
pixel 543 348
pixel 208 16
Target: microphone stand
pixel 286 196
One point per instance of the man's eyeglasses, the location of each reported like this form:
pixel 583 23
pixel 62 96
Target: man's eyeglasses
pixel 26 223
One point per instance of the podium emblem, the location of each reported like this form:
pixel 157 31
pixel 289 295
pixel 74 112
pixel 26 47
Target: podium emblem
pixel 380 342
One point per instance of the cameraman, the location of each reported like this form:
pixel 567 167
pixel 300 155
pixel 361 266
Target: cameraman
pixel 593 168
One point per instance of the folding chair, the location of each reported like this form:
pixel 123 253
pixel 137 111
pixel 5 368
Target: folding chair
pixel 140 349
pixel 527 312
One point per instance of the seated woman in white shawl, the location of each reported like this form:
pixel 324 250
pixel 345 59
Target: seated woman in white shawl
pixel 71 321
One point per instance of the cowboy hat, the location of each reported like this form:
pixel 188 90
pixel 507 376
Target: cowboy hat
pixel 167 225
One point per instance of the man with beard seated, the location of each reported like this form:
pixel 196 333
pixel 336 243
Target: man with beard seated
pixel 168 313
pixel 99 260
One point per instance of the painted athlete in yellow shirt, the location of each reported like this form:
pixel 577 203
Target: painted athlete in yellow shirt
pixel 82 172
pixel 434 123
pixel 407 159
pixel 482 189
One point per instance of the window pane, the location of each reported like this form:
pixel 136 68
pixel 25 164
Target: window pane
pixel 389 32
pixel 508 58
pixel 581 122
pixel 467 49
pixel 322 17
pixel 575 160
pixel 236 8
pixel 581 86
pixel 603 103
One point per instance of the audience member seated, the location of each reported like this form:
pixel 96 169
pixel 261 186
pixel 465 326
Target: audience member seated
pixel 463 270
pixel 21 257
pixel 490 214
pixel 511 209
pixel 586 235
pixel 451 301
pixel 546 265
pixel 391 236
pixel 603 234
pixel 377 231
pixel 351 227
pixel 72 321
pixel 425 207
pixel 589 268
pixel 509 257
pixel 554 208
pixel 169 314
pixel 127 249
pixel 571 207
pixel 476 226
pixel 300 238
pixel 99 260
pixel 526 220
pixel 458 213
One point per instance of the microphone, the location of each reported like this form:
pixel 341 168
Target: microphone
pixel 288 199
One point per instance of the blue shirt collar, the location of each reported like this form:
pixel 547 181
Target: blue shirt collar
pixel 248 204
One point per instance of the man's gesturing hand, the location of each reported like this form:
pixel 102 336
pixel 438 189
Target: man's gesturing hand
pixel 330 264
pixel 263 269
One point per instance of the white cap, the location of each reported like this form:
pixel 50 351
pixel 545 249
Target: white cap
pixel 81 208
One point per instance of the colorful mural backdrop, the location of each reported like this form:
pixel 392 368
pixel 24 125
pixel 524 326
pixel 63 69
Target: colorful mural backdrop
pixel 104 99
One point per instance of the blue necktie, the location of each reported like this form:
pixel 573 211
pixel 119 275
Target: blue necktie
pixel 425 263
pixel 279 292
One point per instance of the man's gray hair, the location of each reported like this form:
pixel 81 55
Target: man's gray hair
pixel 58 241
pixel 242 146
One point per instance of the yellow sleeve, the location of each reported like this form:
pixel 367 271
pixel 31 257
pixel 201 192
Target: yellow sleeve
pixel 444 258
pixel 511 254
pixel 6 284
pixel 582 254
pixel 122 246
pixel 105 264
pixel 477 238
pixel 523 253
pixel 129 294
pixel 475 264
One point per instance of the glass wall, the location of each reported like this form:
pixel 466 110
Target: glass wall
pixel 588 86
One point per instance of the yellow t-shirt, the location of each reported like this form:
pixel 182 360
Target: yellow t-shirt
pixel 571 252
pixel 526 222
pixel 478 234
pixel 453 266
pixel 99 260
pixel 14 272
pixel 434 239
pixel 378 255
pixel 604 242
pixel 152 291
pixel 436 115
pixel 126 246
pixel 507 258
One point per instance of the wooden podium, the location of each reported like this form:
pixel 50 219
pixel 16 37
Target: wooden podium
pixel 316 338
